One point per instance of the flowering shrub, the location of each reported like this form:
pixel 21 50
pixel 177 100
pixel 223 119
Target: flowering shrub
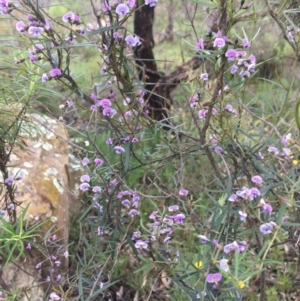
pixel 207 202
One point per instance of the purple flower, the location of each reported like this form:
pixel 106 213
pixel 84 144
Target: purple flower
pixel 204 76
pixel 119 150
pixel 140 244
pixel 183 192
pixel 57 263
pixel 66 254
pixel 257 179
pixel 97 189
pixel 285 139
pixel 219 42
pixel 122 9
pixel 39 47
pixel 134 140
pixel 38 265
pixel 151 3
pixel 3 6
pixel 55 72
pixel 167 239
pixel 68 17
pixel 200 44
pixel 98 162
pixel 85 161
pixel 48 26
pixel 202 113
pixel 106 6
pixel 76 19
pixel 231 54
pixel 273 150
pixel 8 181
pixel 20 26
pixel 267 228
pixel 252 59
pixel 132 3
pixel 125 203
pixel 173 208
pixel 127 114
pixel 219 150
pixel 28 247
pixel 85 178
pixel 109 141
pixel 203 238
pixel 133 212
pixel 244 74
pixel 136 234
pixel 243 216
pixel 232 198
pixel 126 101
pixel 153 215
pixel 253 193
pixel 84 186
pixel 104 103
pixel 35 31
pixel 178 218
pixel 132 41
pixel 230 108
pixel 246 43
pixel 224 265
pixel 213 278
pixel 70 38
pixel 231 247
pixel 109 112
pixel 267 208
pixel 251 68
pixel 242 246
pixel 53 296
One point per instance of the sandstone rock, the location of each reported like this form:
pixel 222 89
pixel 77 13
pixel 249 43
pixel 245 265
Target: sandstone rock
pixel 41 161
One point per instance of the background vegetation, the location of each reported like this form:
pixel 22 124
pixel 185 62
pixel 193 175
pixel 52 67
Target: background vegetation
pixel 126 243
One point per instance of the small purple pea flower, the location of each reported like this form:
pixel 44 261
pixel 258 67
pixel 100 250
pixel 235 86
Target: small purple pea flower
pixel 243 215
pixel 109 141
pixel 122 9
pixel 35 31
pixel 97 189
pixel 267 228
pixel 203 239
pixel 55 72
pixel 224 265
pixel 85 161
pixel 246 43
pixel 173 208
pixel 213 278
pixel 140 244
pixel 233 69
pixel 200 44
pixel 84 186
pixel 151 3
pixel 273 150
pixel 85 178
pixel 20 26
pixel 109 112
pixel 257 179
pixel 183 192
pixel 132 41
pixel 119 150
pixel 8 181
pixel 98 162
pixel 231 54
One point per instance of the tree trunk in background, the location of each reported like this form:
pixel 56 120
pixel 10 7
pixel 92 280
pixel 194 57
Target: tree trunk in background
pixel 169 30
pixel 158 85
pixel 148 73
